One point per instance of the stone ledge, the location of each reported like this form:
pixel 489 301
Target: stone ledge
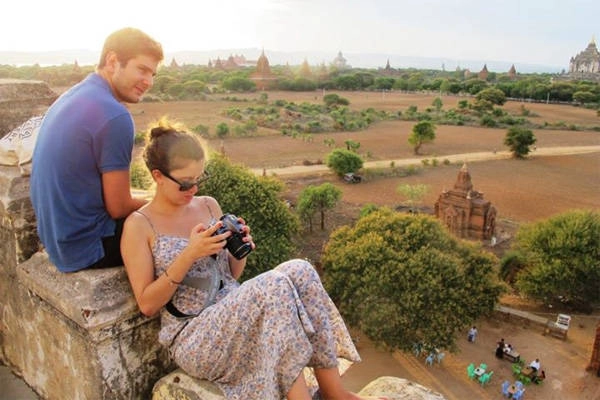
pixel 93 299
pixel 22 99
pixel 525 317
pixel 80 335
pixel 180 386
pixel 399 389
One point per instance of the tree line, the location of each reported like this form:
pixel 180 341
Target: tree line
pixel 194 81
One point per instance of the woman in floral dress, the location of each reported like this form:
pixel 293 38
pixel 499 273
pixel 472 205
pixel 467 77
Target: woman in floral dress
pixel 252 340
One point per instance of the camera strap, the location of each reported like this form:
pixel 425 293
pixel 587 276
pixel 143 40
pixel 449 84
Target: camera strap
pixel 213 283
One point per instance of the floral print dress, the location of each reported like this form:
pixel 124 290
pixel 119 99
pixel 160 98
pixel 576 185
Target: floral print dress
pixel 256 338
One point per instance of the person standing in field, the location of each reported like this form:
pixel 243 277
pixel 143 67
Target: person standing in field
pixel 80 186
pixel 472 334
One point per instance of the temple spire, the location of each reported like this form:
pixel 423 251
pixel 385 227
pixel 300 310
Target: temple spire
pixel 463 180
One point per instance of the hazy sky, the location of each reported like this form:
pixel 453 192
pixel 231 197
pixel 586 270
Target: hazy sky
pixel 526 31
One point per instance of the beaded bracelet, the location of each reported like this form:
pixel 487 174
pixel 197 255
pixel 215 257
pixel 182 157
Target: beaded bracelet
pixel 171 281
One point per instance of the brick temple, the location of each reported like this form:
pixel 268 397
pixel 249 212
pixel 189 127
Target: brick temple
pixel 464 211
pixel 263 77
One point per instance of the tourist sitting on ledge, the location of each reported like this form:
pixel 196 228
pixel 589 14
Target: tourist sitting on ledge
pixel 252 340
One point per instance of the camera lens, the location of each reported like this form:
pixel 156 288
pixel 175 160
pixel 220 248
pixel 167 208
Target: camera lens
pixel 237 247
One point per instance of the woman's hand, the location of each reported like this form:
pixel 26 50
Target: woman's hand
pixel 203 241
pixel 247 238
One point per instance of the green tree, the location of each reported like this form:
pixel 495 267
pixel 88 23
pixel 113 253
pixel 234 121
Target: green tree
pixel 518 141
pixel 450 86
pixel 562 259
pixel 258 200
pixel 238 84
pixel 413 193
pixel 317 199
pixel 342 161
pixel 347 82
pixel 403 279
pixel 162 84
pixel 422 132
pixel 584 97
pixel 493 95
pixel 384 83
pixel 474 85
pixel 299 84
pixel 176 90
pixel 193 89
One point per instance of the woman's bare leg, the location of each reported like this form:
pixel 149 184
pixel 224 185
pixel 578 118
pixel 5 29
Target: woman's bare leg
pixel 299 390
pixel 330 385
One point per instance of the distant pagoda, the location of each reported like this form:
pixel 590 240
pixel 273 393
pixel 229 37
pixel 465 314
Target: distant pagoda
pixel 263 77
pixel 340 62
pixel 587 61
pixel 483 74
pixel 512 72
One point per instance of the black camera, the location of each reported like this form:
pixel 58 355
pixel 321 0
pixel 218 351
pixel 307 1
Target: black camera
pixel 234 243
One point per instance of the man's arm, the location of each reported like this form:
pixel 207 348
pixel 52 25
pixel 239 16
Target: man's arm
pixel 117 194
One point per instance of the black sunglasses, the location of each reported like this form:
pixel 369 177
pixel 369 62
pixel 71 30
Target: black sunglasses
pixel 185 186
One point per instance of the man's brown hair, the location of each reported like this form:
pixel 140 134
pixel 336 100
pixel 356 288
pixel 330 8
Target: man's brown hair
pixel 128 43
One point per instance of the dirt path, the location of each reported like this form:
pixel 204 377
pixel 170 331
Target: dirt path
pixel 453 158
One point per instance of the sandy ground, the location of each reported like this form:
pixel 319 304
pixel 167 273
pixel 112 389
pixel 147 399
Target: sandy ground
pixel 564 363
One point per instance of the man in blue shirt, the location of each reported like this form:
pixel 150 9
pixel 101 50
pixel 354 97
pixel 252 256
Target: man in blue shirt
pixel 80 170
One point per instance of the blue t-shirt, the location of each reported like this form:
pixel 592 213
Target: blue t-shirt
pixel 84 134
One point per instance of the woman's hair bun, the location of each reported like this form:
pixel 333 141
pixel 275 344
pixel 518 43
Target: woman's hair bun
pixel 164 127
pixel 159 131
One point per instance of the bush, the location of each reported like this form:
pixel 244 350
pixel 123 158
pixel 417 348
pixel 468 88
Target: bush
pixel 493 95
pixel 239 84
pixel 140 177
pixel 139 138
pixel 201 129
pixel 342 161
pixel 333 99
pixel 488 120
pixel 222 129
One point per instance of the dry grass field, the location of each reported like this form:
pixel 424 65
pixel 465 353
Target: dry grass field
pixel 521 190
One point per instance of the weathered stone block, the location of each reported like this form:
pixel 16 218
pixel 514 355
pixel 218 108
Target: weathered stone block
pixel 80 335
pixel 21 100
pixel 399 389
pixel 180 386
pixel 17 220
